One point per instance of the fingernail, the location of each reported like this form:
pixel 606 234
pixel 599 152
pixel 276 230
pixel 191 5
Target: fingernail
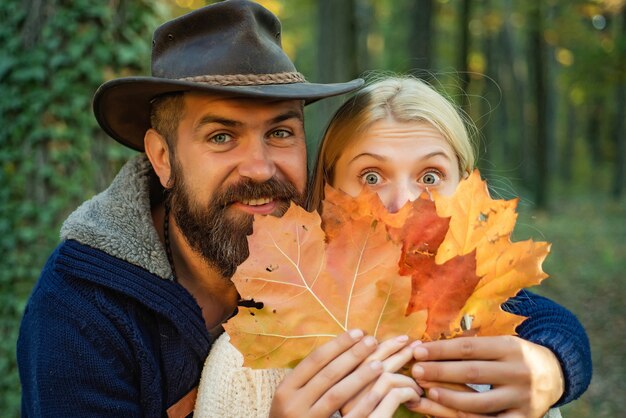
pixel 355 334
pixel 420 353
pixel 412 404
pixel 369 341
pixel 402 338
pixel 376 365
pixel 418 372
pixel 415 343
pixel 433 394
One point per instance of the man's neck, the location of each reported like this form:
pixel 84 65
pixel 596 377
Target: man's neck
pixel 215 294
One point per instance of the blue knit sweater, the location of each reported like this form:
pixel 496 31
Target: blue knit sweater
pixel 102 337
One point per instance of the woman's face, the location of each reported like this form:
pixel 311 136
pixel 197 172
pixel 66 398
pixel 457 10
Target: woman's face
pixel 398 160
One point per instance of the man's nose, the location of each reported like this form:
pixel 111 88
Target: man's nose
pixel 257 163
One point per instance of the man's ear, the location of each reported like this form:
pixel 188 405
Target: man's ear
pixel 158 153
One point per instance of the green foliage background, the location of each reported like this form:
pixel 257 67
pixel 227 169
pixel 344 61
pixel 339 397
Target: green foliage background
pixel 53 56
pixel 55 53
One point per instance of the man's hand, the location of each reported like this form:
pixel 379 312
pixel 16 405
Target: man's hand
pixel 326 379
pixel 526 378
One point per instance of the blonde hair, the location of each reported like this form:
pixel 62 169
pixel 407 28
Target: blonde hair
pixel 403 98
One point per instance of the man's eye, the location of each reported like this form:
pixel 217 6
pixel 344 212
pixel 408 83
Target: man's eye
pixel 220 138
pixel 280 133
pixel 371 178
pixel 431 178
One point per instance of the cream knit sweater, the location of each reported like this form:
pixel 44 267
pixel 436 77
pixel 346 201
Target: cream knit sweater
pixel 227 389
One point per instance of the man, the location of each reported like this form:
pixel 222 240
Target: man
pixel 129 304
pixel 122 317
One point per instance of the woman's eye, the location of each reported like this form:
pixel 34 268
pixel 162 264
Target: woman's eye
pixel 371 178
pixel 220 138
pixel 431 178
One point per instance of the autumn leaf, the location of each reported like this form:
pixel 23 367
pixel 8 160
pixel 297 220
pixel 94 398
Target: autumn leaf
pixel 440 288
pixel 313 290
pixel 482 225
pixel 474 217
pixel 317 277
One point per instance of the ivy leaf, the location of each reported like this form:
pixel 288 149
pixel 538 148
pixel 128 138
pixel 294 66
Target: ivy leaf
pixel 313 290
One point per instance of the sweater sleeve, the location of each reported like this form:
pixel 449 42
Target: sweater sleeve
pixel 554 327
pixel 229 389
pixel 67 367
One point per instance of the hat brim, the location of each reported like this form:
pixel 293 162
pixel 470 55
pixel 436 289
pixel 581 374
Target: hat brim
pixel 122 106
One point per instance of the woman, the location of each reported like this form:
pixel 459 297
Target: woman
pixel 398 136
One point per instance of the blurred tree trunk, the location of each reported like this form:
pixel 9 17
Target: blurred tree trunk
pixel 551 71
pixel 518 94
pixel 569 142
pixel 593 130
pixel 463 53
pixel 421 37
pixel 492 138
pixel 337 61
pixel 539 72
pixel 337 57
pixel 363 19
pixel 620 130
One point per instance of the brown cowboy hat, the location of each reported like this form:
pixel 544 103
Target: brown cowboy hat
pixel 231 47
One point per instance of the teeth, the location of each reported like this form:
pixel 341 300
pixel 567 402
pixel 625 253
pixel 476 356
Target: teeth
pixel 257 202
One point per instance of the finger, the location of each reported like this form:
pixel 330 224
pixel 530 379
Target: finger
pixel 320 357
pixel 481 372
pixel 508 414
pixel 363 404
pixel 400 359
pixel 427 406
pixel 472 348
pixel 495 400
pixel 388 348
pixel 392 401
pixel 323 390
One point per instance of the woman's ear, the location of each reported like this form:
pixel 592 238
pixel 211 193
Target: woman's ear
pixel 157 151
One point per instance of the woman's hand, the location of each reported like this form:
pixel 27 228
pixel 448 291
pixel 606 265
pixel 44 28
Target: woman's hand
pixel 326 379
pixel 526 378
pixel 384 395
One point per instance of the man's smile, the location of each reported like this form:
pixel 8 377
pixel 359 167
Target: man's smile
pixel 257 202
pixel 261 206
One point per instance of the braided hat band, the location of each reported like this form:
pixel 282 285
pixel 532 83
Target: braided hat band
pixel 248 79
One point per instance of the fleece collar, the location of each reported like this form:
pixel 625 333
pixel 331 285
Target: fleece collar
pixel 118 221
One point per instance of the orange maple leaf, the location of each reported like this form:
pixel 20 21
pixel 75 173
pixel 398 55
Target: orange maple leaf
pixel 313 290
pixel 442 289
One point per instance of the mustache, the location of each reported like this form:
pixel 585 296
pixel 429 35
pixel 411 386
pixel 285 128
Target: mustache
pixel 248 189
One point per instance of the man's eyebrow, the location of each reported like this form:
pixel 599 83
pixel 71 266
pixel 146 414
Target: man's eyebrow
pixel 208 119
pixel 290 114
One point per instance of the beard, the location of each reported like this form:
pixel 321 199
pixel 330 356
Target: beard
pixel 218 236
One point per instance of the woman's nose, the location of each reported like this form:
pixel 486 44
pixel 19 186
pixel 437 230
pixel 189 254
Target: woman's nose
pixel 400 194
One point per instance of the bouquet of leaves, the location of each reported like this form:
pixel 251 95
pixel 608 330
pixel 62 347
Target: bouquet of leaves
pixel 439 268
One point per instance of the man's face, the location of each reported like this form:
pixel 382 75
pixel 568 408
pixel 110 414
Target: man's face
pixel 234 158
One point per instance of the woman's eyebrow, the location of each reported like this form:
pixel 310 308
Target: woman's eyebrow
pixel 369 154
